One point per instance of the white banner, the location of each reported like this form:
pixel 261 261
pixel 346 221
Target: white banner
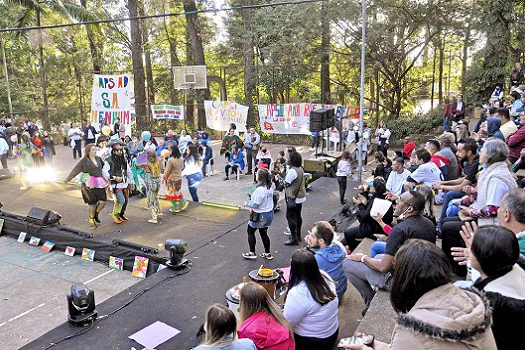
pixel 220 114
pixel 294 118
pixel 111 100
pixel 167 112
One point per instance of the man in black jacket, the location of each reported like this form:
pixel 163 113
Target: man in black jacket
pixel 89 133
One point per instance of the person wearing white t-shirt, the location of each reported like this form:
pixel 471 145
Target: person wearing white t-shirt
pixel 427 173
pixel 184 139
pixel 75 135
pixel 311 303
pixel 398 176
pixel 261 217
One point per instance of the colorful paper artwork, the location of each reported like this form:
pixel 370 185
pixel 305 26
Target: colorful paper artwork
pixel 22 237
pixel 140 267
pixel 88 254
pixel 48 246
pixel 161 267
pixel 116 263
pixel 34 241
pixel 70 251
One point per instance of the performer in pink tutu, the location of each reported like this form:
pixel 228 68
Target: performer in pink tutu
pixel 94 182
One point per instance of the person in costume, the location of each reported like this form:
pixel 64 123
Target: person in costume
pixel 94 182
pixel 173 180
pixel 121 178
pixel 152 170
pixel 24 159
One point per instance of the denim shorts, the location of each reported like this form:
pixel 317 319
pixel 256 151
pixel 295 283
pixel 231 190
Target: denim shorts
pixel 265 220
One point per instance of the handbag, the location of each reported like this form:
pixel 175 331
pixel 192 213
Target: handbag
pixel 254 217
pixel 291 203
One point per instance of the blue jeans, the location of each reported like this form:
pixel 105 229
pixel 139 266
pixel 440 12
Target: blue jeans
pixel 449 195
pixel 445 123
pixel 194 181
pixel 377 247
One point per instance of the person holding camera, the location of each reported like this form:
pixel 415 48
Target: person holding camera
pixel 261 215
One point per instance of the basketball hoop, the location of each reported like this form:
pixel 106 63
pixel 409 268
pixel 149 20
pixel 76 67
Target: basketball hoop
pixel 189 77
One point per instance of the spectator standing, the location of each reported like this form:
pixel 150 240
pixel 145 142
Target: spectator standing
pixel 89 133
pixel 383 138
pixel 193 171
pixel 295 195
pixel 48 148
pixel 230 140
pixel 516 77
pixel 458 109
pixel 447 113
pixel 311 304
pixel 75 135
pixel 184 140
pixel 329 254
pixel 206 154
pixel 251 144
pixel 4 151
pixel 116 126
pixel 343 171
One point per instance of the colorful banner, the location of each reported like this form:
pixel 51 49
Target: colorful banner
pixel 295 118
pixel 220 114
pixel 167 112
pixel 111 100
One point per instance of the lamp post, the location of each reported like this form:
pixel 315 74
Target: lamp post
pixel 362 93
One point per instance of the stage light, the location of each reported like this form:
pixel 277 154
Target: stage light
pixel 81 305
pixel 177 248
pixel 41 175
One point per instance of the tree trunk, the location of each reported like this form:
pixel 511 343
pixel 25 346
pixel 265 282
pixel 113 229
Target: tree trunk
pixel 95 56
pixel 250 76
pixel 325 55
pixel 441 60
pixel 466 44
pixel 433 81
pixel 4 63
pixel 45 114
pixel 190 103
pixel 194 33
pixel 377 95
pixel 139 84
pixel 147 61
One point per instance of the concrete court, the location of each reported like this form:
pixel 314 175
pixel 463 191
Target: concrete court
pixel 34 284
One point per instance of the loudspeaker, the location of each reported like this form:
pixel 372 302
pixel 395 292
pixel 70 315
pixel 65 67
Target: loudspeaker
pixel 326 117
pixel 317 116
pixel 316 126
pixel 43 216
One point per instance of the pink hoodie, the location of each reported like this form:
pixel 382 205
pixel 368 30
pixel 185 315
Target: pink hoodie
pixel 266 332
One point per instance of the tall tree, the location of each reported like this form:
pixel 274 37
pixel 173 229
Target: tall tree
pixel 147 58
pixel 96 56
pixel 139 83
pixel 250 73
pixel 325 54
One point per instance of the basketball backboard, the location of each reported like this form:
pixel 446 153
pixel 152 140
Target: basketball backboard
pixel 189 77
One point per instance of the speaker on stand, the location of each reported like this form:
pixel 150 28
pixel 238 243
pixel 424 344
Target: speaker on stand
pixel 320 120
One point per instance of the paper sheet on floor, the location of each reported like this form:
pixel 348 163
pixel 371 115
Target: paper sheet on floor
pixel 154 334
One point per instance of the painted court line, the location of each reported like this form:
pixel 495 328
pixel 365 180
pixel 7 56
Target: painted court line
pixel 96 278
pixel 22 314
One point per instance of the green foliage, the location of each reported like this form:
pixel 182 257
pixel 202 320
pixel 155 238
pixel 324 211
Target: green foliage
pixel 402 126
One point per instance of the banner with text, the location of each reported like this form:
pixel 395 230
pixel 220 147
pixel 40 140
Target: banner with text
pixel 294 118
pixel 167 112
pixel 111 100
pixel 220 114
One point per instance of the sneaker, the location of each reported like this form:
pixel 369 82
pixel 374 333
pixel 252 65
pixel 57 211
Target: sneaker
pixel 23 188
pixel 153 221
pixel 267 256
pixel 92 223
pixel 97 220
pixel 159 213
pixel 288 232
pixel 116 219
pixel 249 255
pixel 248 173
pixel 174 210
pixel 185 205
pixel 123 218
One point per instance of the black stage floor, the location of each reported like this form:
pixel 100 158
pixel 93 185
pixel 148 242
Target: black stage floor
pixel 216 241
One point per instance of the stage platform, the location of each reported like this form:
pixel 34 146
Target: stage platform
pixel 216 238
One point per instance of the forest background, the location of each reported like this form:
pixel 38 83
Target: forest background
pixel 286 53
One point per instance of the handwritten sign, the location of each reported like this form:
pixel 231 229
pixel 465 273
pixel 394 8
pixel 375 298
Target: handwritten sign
pixel 111 99
pixel 294 118
pixel 167 112
pixel 220 114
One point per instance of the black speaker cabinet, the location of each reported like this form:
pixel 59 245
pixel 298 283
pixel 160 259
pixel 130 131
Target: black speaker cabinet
pixel 316 126
pixel 322 119
pixel 43 216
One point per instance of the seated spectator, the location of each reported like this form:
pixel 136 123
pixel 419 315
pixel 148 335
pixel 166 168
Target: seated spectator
pixel 433 147
pixel 516 142
pixel 412 164
pixel 230 140
pixel 363 272
pixel 512 216
pixel 494 253
pixel 329 253
pixel 495 181
pixel 427 172
pixel 508 127
pixel 461 130
pixel 221 329
pixel 397 177
pixel 408 148
pixel 184 139
pixel 262 320
pixel 433 313
pixel 383 167
pixel 205 137
pixel 311 304
pixel 493 125
pixel 448 149
pixel 236 162
pixel 518 165
pixel 367 225
pixel 467 154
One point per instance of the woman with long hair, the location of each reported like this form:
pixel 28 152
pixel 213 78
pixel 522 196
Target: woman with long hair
pixel 94 182
pixel 173 181
pixel 433 313
pixel 193 170
pixel 261 215
pixel 220 331
pixel 295 195
pixel 236 162
pixel 263 321
pixel 311 303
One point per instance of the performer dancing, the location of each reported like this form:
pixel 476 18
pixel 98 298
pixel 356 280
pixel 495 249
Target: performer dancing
pixel 173 180
pixel 152 179
pixel 94 182
pixel 24 160
pixel 121 178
